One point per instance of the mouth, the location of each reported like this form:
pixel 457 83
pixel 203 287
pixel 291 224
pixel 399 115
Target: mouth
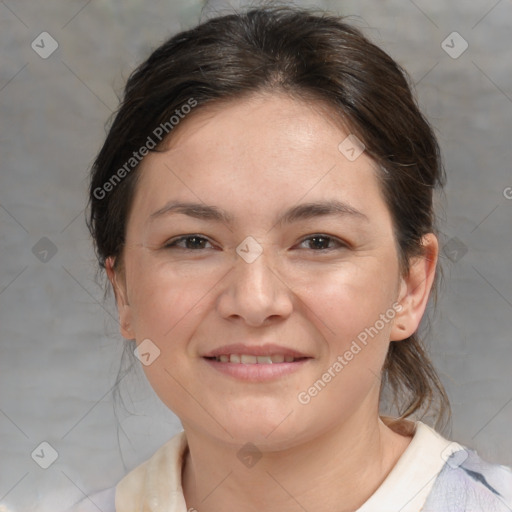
pixel 255 363
pixel 252 359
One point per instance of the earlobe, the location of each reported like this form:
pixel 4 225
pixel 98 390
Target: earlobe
pixel 415 290
pixel 118 282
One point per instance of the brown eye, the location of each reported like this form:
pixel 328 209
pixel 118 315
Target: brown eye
pixel 322 242
pixel 189 242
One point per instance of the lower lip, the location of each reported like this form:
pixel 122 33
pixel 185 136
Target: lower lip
pixel 256 372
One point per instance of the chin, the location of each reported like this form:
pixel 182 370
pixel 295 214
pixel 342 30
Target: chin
pixel 269 432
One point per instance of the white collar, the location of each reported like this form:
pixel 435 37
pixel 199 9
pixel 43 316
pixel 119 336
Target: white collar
pixel 155 485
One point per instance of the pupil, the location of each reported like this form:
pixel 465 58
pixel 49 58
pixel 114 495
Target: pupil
pixel 322 240
pixel 191 245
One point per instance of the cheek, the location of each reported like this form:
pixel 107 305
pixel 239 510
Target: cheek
pixel 347 311
pixel 347 307
pixel 165 297
pixel 167 306
pixel 351 299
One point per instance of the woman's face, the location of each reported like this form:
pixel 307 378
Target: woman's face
pixel 276 277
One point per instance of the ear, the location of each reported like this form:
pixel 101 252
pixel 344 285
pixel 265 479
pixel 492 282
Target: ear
pixel 415 290
pixel 118 282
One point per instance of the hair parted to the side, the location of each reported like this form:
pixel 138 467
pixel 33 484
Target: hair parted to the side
pixel 315 57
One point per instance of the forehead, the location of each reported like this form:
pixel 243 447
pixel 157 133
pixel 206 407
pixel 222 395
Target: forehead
pixel 276 120
pixel 267 149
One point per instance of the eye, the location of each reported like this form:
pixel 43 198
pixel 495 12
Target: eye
pixel 319 242
pixel 187 242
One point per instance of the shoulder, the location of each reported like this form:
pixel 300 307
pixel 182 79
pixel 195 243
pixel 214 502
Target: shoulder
pixel 156 479
pixel 104 501
pixel 469 483
pixel 158 476
pixel 435 474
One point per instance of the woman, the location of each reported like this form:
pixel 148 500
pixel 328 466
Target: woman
pixel 262 206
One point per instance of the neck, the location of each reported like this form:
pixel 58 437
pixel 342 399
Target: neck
pixel 337 470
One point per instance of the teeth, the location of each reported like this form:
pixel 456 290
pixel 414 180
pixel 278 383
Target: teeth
pixel 247 359
pixel 250 359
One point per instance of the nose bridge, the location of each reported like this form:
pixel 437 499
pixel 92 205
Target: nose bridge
pixel 255 290
pixel 256 275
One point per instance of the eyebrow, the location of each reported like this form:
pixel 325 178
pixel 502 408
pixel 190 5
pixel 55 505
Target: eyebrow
pixel 302 211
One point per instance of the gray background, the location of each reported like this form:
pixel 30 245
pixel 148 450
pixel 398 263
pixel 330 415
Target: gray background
pixel 59 339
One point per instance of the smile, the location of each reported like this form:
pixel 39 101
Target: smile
pixel 251 359
pixel 252 368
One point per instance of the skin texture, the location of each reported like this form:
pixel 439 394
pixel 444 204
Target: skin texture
pixel 256 157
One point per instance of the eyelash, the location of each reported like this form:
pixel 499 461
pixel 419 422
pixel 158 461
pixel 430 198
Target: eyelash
pixel 172 244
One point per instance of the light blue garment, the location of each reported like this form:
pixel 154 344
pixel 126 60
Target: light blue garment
pixel 469 484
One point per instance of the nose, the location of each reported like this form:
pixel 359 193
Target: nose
pixel 255 293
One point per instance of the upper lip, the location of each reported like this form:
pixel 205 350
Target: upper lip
pixel 254 350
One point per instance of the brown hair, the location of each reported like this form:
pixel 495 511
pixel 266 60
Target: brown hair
pixel 309 56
